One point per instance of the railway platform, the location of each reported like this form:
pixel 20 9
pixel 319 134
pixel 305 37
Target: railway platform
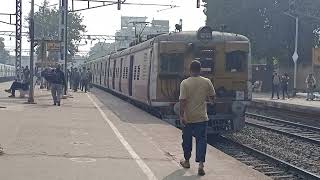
pixel 97 136
pixel 297 104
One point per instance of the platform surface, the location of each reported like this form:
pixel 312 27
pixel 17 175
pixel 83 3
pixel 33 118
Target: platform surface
pixel 97 136
pixel 298 103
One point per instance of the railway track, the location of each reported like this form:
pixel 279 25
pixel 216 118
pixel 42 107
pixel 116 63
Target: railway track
pixel 262 162
pixel 297 130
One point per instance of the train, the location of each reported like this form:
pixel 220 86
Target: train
pixel 7 72
pixel 150 73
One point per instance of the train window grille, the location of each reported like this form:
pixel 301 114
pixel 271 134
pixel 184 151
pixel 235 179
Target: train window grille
pixel 135 73
pixel 206 57
pixel 236 61
pixel 138 73
pixel 171 64
pixel 127 72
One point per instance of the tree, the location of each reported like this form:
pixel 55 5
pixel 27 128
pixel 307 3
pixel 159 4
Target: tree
pixel 100 49
pixel 46 23
pixel 270 30
pixel 4 54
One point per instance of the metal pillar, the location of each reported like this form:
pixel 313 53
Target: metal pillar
pixel 31 29
pixel 295 57
pixel 63 38
pixel 18 38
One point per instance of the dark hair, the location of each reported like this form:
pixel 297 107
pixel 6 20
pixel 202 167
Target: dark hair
pixel 195 66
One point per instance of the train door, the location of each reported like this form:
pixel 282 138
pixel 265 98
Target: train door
pixel 131 75
pixel 108 83
pixel 101 73
pixel 105 73
pixel 120 76
pixel 114 74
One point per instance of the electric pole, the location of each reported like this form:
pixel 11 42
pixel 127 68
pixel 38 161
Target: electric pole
pixel 18 38
pixel 31 31
pixel 63 38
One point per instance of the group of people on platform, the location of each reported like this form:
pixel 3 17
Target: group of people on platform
pixel 80 79
pixel 282 82
pixel 55 80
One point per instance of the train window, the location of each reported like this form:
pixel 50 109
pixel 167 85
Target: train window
pixel 127 71
pixel 206 57
pixel 171 63
pixel 134 72
pixel 138 73
pixel 236 61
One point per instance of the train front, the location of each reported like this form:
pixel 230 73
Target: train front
pixel 225 60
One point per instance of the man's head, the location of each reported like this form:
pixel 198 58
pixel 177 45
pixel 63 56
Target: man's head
pixel 195 67
pixel 27 67
pixel 58 67
pixel 88 69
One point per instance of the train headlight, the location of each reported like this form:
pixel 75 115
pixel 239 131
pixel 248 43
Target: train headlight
pixel 238 107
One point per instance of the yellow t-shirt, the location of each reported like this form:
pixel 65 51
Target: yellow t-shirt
pixel 195 91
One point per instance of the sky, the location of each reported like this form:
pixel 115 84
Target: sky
pixel 106 20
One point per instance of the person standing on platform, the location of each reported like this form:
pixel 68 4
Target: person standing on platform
pixel 311 83
pixel 87 80
pixel 70 77
pixel 193 115
pixel 83 79
pixel 75 79
pixel 285 83
pixel 275 84
pixel 57 84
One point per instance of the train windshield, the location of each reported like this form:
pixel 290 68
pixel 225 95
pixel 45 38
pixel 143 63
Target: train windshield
pixel 171 63
pixel 206 57
pixel 236 61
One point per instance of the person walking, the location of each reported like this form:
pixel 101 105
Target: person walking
pixel 275 84
pixel 311 83
pixel 57 84
pixel 75 79
pixel 193 115
pixel 285 83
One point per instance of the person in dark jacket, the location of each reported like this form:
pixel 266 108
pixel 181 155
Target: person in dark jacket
pixel 16 85
pixel 57 81
pixel 76 79
pixel 284 83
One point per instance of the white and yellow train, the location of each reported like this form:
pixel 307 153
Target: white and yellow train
pixel 150 73
pixel 7 72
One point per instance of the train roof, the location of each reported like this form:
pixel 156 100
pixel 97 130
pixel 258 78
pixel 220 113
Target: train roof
pixel 185 36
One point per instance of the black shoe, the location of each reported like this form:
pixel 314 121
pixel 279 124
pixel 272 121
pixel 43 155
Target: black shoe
pixel 54 103
pixel 8 90
pixel 11 96
pixel 185 164
pixel 201 172
pixel 58 103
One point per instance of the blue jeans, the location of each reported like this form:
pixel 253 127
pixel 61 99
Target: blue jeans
pixel 199 130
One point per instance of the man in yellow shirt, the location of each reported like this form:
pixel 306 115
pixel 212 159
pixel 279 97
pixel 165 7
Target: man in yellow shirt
pixel 194 92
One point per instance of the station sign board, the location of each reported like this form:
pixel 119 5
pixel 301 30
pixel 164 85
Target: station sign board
pixel 316 56
pixel 53 46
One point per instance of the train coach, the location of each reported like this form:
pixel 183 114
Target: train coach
pixel 150 73
pixel 7 72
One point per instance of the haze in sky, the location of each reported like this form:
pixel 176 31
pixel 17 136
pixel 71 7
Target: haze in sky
pixel 106 20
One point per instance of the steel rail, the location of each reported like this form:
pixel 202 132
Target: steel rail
pixel 307 133
pixel 285 165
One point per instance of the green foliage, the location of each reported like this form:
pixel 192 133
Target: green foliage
pixel 46 22
pixel 270 30
pixel 100 49
pixel 4 54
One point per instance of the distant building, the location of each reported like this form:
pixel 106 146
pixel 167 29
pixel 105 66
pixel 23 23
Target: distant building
pixel 133 28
